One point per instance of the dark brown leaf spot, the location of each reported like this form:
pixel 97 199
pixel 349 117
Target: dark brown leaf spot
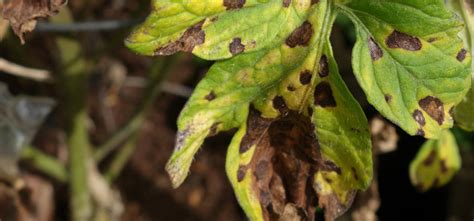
pixel 354 172
pixel 300 36
pixel 430 158
pixel 388 98
pixel 323 66
pixel 314 2
pixel 418 116
pixel 236 46
pixel 280 105
pixel 241 173
pixel 305 77
pixel 331 166
pixel 211 96
pixel 291 88
pixel 286 3
pixel 404 41
pixel 434 107
pixel 193 36
pixel 461 55
pixel 323 95
pixel 234 4
pixel 375 51
pixel 443 166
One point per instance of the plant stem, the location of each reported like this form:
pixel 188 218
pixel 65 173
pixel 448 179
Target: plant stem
pixel 158 74
pixel 73 89
pixel 44 163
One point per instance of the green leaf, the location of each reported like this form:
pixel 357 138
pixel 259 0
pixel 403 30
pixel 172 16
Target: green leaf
pixel 410 62
pixel 436 162
pixel 463 114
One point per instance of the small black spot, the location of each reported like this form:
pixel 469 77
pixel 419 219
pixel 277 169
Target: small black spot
pixel 214 19
pixel 236 46
pixel 354 172
pixel 291 87
pixel 323 95
pixel 286 3
pixel 434 107
pixel 404 41
pixel 234 4
pixel 211 96
pixel 314 2
pixel 388 98
pixel 461 55
pixel 241 173
pixel 300 36
pixel 280 105
pixel 323 66
pixel 418 116
pixel 375 51
pixel 305 77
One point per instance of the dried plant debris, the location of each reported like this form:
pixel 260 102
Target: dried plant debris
pixel 303 140
pixel 22 14
pixel 20 117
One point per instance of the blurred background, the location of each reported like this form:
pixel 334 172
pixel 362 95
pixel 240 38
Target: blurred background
pixel 101 151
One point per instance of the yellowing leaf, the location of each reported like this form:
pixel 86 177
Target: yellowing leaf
pixel 436 162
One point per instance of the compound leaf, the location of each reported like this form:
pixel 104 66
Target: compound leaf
pixel 410 61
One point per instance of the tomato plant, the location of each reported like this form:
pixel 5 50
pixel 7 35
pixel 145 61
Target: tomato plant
pixel 302 138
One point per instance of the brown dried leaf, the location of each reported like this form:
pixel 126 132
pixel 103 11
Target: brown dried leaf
pixel 22 14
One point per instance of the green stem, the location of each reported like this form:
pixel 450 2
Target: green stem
pixel 158 74
pixel 45 163
pixel 73 86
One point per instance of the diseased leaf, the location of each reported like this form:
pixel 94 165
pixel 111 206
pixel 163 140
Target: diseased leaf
pixel 302 136
pixel 344 137
pixel 278 83
pixel 410 61
pixel 463 114
pixel 436 162
pixel 22 14
pixel 212 29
